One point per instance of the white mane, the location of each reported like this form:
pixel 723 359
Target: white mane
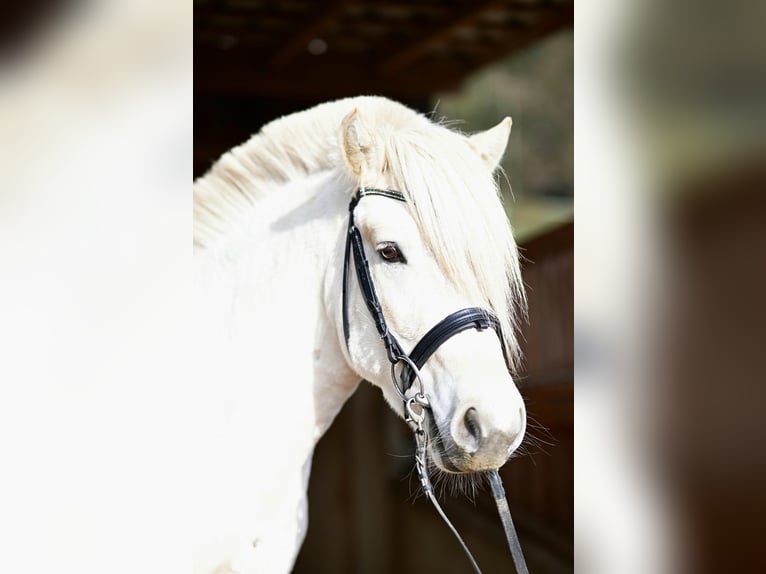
pixel 451 193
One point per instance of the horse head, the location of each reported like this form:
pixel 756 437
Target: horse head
pixel 447 245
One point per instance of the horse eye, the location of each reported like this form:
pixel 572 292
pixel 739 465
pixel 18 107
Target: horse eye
pixel 391 253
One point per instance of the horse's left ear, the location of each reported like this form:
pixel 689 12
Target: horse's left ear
pixel 490 144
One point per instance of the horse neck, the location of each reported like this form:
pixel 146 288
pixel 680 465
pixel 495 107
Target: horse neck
pixel 271 293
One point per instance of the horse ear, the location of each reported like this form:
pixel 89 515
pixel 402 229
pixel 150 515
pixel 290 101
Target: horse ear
pixel 490 144
pixel 361 149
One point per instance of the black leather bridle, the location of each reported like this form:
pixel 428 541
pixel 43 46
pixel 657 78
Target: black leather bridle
pixel 457 322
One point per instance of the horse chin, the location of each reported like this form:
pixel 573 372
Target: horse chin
pixel 449 458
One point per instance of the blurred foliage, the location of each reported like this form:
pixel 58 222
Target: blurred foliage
pixel 535 87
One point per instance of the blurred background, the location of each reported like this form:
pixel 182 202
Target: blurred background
pixel 469 62
pixel 668 311
pixel 670 151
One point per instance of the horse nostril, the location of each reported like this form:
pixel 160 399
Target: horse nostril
pixel 471 420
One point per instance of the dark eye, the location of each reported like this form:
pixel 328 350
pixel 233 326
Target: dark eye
pixel 390 252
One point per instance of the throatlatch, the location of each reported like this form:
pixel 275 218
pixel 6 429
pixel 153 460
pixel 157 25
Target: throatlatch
pixel 415 404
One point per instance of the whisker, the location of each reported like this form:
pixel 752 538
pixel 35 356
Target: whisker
pixel 393 455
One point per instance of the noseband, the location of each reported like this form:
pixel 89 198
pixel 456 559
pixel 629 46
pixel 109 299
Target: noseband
pixel 416 403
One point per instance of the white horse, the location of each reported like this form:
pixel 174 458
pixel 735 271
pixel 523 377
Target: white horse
pixel 274 368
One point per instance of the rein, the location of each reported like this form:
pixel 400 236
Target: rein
pixel 416 403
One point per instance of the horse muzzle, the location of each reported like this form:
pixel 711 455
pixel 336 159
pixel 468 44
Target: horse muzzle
pixel 467 442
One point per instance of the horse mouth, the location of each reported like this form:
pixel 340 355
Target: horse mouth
pixel 451 458
pixel 442 449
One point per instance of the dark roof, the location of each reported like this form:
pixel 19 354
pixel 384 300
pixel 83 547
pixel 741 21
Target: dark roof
pixel 319 50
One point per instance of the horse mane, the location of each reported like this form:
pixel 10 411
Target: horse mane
pixel 452 195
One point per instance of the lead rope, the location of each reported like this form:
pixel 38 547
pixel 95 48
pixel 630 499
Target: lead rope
pixel 415 420
pixel 421 442
pixel 505 517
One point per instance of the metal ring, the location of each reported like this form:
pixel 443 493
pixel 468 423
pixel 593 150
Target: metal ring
pixel 411 365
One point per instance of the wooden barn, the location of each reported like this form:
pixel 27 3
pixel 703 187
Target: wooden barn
pixel 256 60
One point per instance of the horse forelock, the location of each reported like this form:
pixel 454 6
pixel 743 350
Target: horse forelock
pixel 454 199
pixel 451 193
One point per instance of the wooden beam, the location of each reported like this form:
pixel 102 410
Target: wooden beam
pixel 298 40
pixel 440 32
pixel 549 22
pixel 238 71
pixel 242 70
